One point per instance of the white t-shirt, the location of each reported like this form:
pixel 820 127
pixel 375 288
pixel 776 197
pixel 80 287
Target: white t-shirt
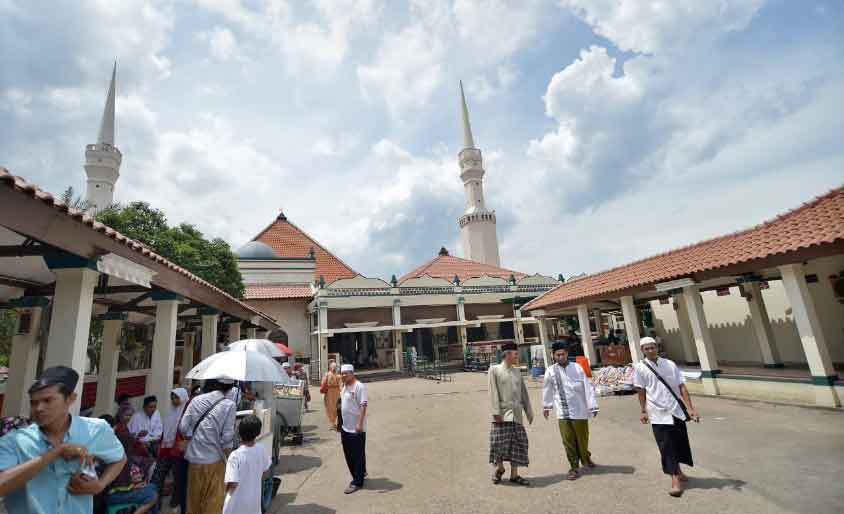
pixel 246 466
pixel 352 400
pixel 661 406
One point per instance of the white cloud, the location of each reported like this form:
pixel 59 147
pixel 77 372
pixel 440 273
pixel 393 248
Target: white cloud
pixel 406 71
pixel 649 27
pixel 222 44
pixel 497 28
pixel 484 87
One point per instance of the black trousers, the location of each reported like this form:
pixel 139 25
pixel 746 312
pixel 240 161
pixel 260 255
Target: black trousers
pixel 354 448
pixel 673 443
pixel 179 467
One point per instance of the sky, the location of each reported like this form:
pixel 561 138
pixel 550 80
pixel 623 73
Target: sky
pixel 611 131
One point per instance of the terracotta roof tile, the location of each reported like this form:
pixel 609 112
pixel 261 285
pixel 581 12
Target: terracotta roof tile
pixel 277 291
pixel 447 266
pixel 815 223
pixel 17 183
pixel 288 240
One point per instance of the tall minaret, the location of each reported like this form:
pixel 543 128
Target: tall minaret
pixel 477 225
pixel 102 159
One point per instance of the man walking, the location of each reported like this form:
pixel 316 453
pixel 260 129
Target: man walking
pixel 660 385
pixel 208 427
pixel 353 407
pixel 46 467
pixel 570 393
pixel 508 398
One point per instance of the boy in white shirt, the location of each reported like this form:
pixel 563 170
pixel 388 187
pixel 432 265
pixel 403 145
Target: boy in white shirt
pixel 245 471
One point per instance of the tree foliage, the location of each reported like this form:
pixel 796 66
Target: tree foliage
pixel 184 245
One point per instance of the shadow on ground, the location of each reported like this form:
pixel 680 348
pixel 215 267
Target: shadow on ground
pixel 297 463
pixel 381 485
pixel 560 477
pixel 715 483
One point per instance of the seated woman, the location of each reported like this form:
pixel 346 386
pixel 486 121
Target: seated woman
pixel 132 485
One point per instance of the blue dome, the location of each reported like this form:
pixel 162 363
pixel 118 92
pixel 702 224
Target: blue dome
pixel 256 250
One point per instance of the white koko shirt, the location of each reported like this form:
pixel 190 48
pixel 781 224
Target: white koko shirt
pixel 352 400
pixel 578 392
pixel 661 405
pixel 152 424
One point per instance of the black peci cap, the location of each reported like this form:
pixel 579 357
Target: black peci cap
pixel 57 375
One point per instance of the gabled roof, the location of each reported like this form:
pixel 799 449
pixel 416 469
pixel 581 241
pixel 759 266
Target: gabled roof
pixel 68 231
pixel 447 266
pixel 288 240
pixel 277 292
pixel 788 237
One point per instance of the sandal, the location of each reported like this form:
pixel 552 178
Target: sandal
pixel 573 475
pixel 496 477
pixel 520 481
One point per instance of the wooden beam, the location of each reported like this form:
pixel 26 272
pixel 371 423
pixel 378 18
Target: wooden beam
pixel 20 283
pixel 26 250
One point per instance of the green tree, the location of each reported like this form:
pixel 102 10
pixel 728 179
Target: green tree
pixel 184 245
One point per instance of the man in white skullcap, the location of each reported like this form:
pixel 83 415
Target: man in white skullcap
pixel 661 385
pixel 353 406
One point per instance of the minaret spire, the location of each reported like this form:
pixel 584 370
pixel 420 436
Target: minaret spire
pixel 106 134
pixel 468 140
pixel 102 159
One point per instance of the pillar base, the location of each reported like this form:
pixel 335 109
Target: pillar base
pixel 692 363
pixel 710 386
pixel 775 365
pixel 826 396
pixel 709 373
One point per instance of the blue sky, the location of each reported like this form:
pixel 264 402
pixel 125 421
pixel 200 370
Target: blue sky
pixel 610 132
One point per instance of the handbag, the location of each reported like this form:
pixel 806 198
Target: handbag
pixel 679 401
pixel 323 386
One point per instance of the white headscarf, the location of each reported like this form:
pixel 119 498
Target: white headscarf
pixel 171 423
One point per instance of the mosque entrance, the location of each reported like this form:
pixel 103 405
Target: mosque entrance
pixel 366 350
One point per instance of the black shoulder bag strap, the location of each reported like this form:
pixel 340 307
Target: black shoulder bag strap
pixel 679 401
pixel 201 418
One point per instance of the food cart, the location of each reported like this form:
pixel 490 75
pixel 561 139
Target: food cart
pixel 289 402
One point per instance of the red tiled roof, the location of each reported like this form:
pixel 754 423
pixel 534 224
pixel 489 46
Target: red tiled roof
pixel 816 223
pixel 447 266
pixel 16 183
pixel 288 240
pixel 277 292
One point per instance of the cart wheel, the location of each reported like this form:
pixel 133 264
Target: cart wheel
pixel 298 439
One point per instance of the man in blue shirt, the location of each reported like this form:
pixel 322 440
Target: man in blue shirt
pixel 42 466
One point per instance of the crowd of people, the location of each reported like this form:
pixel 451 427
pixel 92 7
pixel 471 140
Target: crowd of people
pixel 61 463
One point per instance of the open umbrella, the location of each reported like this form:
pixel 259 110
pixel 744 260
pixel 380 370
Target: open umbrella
pixel 240 365
pixel 263 346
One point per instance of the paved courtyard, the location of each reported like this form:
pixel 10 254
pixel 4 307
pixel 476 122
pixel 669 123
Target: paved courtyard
pixel 427 453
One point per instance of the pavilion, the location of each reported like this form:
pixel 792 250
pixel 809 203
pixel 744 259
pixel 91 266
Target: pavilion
pixel 718 298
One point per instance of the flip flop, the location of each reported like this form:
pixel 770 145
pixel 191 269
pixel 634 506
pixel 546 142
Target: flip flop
pixel 520 481
pixel 496 477
pixel 573 475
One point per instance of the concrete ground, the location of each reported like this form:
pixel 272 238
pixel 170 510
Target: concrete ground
pixel 427 452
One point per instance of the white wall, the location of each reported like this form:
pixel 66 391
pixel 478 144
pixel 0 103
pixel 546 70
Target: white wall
pixel 292 316
pixel 729 320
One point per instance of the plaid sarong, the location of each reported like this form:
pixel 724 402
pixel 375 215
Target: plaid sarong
pixel 508 442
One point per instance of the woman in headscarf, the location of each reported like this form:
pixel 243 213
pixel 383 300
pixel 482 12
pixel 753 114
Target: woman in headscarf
pixel 331 387
pixel 171 456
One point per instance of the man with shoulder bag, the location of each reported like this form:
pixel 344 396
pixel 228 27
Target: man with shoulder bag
pixel 661 385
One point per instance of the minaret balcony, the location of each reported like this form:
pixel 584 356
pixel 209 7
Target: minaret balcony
pixel 102 147
pixel 477 217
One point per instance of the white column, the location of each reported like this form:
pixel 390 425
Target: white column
pixel 599 329
pixel 631 327
pixel 70 325
pixel 685 327
pixel 461 330
pixel 233 332
pixel 160 380
pixel 762 326
pixel 323 338
pixel 396 335
pixel 703 339
pixel 107 377
pixel 23 361
pixel 187 354
pixel 209 335
pixel 811 334
pixel 518 331
pixel 543 338
pixel 251 333
pixel 586 334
